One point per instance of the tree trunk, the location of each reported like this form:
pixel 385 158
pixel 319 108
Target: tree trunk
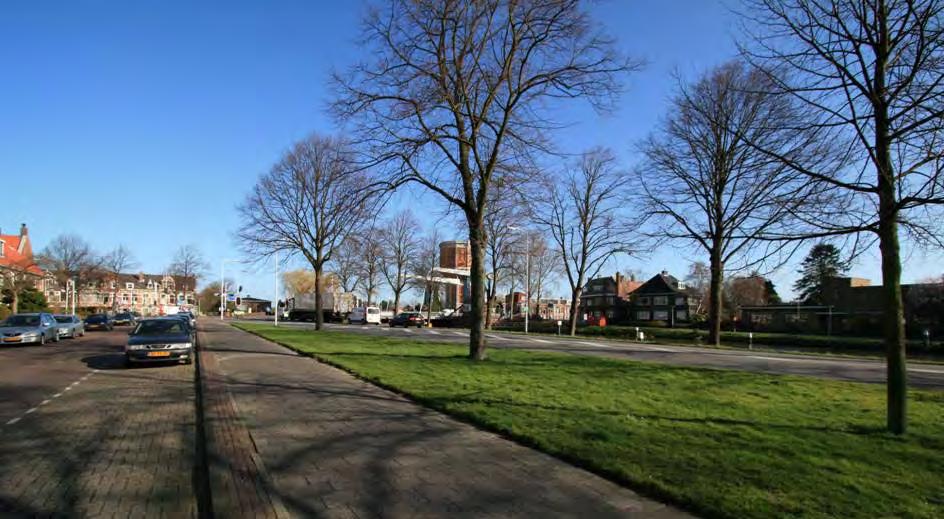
pixel 574 309
pixel 15 303
pixel 396 303
pixel 477 280
pixel 319 314
pixel 714 299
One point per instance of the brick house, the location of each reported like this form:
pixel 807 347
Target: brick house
pixel 18 267
pixel 608 296
pixel 147 294
pixel 663 298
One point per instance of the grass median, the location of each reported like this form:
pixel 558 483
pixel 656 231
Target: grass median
pixel 721 443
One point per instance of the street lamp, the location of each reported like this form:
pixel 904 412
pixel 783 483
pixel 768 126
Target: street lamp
pixel 223 284
pixel 527 283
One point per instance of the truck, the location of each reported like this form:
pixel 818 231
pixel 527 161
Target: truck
pixel 334 306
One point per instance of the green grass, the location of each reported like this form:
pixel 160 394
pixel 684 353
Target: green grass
pixel 721 443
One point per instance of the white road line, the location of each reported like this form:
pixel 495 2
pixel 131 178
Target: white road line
pixel 918 370
pixel 542 341
pixel 13 420
pixel 497 337
pixel 407 330
pixel 781 359
pixel 30 410
pixel 57 395
pixel 44 402
pixel 50 399
pixel 434 332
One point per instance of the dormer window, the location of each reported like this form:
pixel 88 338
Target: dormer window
pixel 150 284
pixel 3 249
pixel 129 286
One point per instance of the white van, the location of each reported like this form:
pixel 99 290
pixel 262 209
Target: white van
pixel 364 315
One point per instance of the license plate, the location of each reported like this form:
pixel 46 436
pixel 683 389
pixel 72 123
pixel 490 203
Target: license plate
pixel 158 354
pixel 11 339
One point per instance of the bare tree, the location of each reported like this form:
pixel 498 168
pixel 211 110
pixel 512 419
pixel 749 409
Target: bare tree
pixel 423 265
pixel 698 281
pixel 500 235
pixel 399 247
pixel 308 204
pixel 69 257
pixel 459 91
pixel 871 76
pixel 298 281
pixel 188 263
pixel 545 266
pixel 346 264
pixel 706 183
pixel 581 215
pixel 370 263
pixel 118 261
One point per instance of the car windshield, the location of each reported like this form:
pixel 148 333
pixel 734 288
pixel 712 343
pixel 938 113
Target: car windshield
pixel 22 320
pixel 95 318
pixel 64 318
pixel 123 316
pixel 159 327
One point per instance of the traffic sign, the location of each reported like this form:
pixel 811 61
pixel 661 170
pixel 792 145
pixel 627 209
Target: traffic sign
pixel 231 297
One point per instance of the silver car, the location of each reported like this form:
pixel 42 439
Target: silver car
pixel 29 329
pixel 70 326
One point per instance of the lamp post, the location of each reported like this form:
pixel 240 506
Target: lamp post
pixel 223 285
pixel 527 283
pixel 275 295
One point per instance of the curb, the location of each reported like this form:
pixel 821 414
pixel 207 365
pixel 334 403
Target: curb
pixel 238 484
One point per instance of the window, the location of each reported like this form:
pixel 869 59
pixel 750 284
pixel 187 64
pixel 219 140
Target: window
pixel 681 315
pixel 129 286
pixel 642 315
pixel 680 301
pixel 3 247
pixel 660 300
pixel 609 314
pixel 644 301
pixel 125 298
pixel 150 285
pixel 113 285
pixel 610 300
pixel 660 315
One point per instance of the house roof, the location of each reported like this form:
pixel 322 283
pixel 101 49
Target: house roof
pixel 661 283
pixel 17 253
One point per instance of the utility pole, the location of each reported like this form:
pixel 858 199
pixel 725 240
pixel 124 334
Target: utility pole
pixel 275 295
pixel 527 288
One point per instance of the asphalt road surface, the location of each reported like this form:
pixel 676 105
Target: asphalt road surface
pixel 81 436
pixel 923 375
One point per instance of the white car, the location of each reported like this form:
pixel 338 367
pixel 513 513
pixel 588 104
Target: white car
pixel 364 315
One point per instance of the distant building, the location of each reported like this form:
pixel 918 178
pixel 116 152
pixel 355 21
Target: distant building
pixel 663 298
pixel 851 306
pixel 608 296
pixel 16 257
pixel 147 294
pixel 254 305
pixel 554 309
pixel 455 260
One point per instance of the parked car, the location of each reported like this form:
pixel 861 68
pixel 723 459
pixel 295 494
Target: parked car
pixel 364 315
pixel 186 320
pixel 99 322
pixel 406 319
pixel 34 328
pixel 161 339
pixel 124 319
pixel 70 326
pixel 190 317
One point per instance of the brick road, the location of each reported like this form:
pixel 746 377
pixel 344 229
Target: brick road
pixel 100 441
pixel 330 445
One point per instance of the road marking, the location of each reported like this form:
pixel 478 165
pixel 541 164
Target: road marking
pixel 44 402
pixel 50 399
pixel 434 332
pixel 917 370
pixel 542 341
pixel 497 337
pixel 57 395
pixel 779 358
pixel 30 410
pixel 407 330
pixel 13 420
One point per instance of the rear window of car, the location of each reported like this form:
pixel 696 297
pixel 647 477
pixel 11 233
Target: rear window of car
pixel 22 320
pixel 373 311
pixel 123 316
pixel 159 327
pixel 64 318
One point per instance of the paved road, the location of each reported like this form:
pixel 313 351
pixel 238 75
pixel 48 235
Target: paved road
pixel 919 375
pixel 80 436
pixel 335 446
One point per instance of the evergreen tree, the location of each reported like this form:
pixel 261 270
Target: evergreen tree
pixel 822 262
pixel 32 300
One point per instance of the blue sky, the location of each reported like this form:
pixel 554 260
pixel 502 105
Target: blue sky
pixel 144 123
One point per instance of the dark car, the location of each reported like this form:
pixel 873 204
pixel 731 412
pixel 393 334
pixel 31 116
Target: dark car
pixel 125 318
pixel 160 340
pixel 405 319
pixel 99 322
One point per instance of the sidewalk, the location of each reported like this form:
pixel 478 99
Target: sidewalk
pixel 330 445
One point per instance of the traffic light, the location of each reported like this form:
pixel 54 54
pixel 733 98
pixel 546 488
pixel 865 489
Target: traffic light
pixel 239 300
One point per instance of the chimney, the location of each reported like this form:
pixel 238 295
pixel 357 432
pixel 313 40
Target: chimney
pixel 665 272
pixel 23 230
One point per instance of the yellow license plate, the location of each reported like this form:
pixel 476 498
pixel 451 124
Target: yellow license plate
pixel 158 354
pixel 12 339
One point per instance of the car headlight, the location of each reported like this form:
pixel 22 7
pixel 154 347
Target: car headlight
pixel 180 346
pixel 29 335
pixel 134 347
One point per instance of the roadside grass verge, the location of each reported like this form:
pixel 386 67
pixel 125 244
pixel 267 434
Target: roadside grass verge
pixel 720 443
